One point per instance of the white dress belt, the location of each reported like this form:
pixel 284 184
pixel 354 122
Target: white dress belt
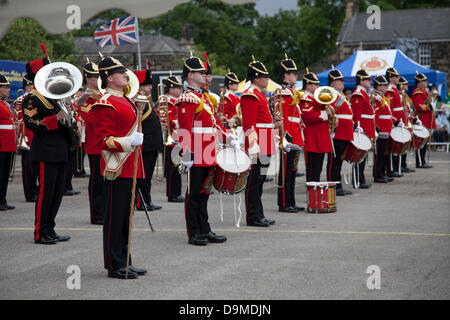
pixel 265 125
pixel 7 126
pixel 368 116
pixel 387 117
pixel 345 116
pixel 203 130
pixel 398 109
pixel 294 119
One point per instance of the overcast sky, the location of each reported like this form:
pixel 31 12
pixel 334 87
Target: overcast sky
pixel 271 7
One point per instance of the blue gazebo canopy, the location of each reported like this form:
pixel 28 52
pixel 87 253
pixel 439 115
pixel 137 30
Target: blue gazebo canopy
pixel 375 62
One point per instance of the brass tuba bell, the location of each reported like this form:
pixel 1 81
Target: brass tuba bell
pixel 130 90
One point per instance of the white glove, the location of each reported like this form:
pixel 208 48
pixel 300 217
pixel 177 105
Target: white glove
pixel 401 124
pixel 188 164
pixel 323 115
pixel 287 149
pixel 418 122
pixel 235 144
pixel 359 129
pixel 137 138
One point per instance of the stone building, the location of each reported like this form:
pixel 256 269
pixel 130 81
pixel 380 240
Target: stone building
pixel 431 27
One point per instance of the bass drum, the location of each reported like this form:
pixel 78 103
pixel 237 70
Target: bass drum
pixel 399 140
pixel 232 170
pixel 420 135
pixel 357 150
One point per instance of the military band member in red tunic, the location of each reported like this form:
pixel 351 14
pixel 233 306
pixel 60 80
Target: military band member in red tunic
pixel 344 131
pixel 398 113
pixel 293 134
pixel 258 126
pixel 7 141
pixel 25 136
pixel 421 102
pixel 363 117
pixel 384 122
pixel 231 100
pixel 317 133
pixel 50 148
pixel 173 88
pixel 197 136
pixel 91 146
pixel 402 88
pixel 116 117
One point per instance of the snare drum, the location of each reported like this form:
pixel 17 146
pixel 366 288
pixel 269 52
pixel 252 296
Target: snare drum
pixel 357 150
pixel 399 140
pixel 419 137
pixel 233 167
pixel 321 197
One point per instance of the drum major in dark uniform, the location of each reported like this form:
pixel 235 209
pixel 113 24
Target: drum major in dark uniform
pixel 50 148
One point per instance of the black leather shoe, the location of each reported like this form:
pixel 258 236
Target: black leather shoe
pixel 298 174
pixel 122 274
pixel 380 180
pixel 258 223
pixel 214 238
pixel 154 206
pixel 365 185
pixel 32 199
pixel 395 175
pixel 71 192
pixel 408 170
pixel 347 192
pixel 269 221
pixel 389 179
pixel 198 240
pixel 4 207
pixel 82 175
pixel 177 199
pixel 340 192
pixel 299 208
pixel 46 240
pixel 425 166
pixel 287 209
pixel 268 179
pixel 97 222
pixel 59 238
pixel 139 272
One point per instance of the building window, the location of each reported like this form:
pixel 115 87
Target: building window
pixel 425 55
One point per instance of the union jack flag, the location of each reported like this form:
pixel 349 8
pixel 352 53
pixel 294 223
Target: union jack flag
pixel 118 31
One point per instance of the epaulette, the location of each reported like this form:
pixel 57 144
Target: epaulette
pixel 103 101
pixel 417 91
pixel 249 92
pixel 307 97
pixel 36 96
pixel 186 98
pixel 285 92
pixel 358 92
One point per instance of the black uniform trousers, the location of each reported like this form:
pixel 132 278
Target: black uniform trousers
pixel 95 188
pixel 145 185
pixel 381 158
pixel 51 190
pixel 196 202
pixel 314 163
pixel 5 165
pixel 30 171
pixel 422 152
pixel 253 193
pixel 286 194
pixel 116 222
pixel 360 172
pixel 334 164
pixel 173 177
pixel 69 170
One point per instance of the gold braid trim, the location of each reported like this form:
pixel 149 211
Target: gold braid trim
pixel 46 103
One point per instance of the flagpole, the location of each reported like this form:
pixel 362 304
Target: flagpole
pixel 138 44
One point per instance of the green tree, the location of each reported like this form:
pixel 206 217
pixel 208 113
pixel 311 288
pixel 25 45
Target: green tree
pixel 22 43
